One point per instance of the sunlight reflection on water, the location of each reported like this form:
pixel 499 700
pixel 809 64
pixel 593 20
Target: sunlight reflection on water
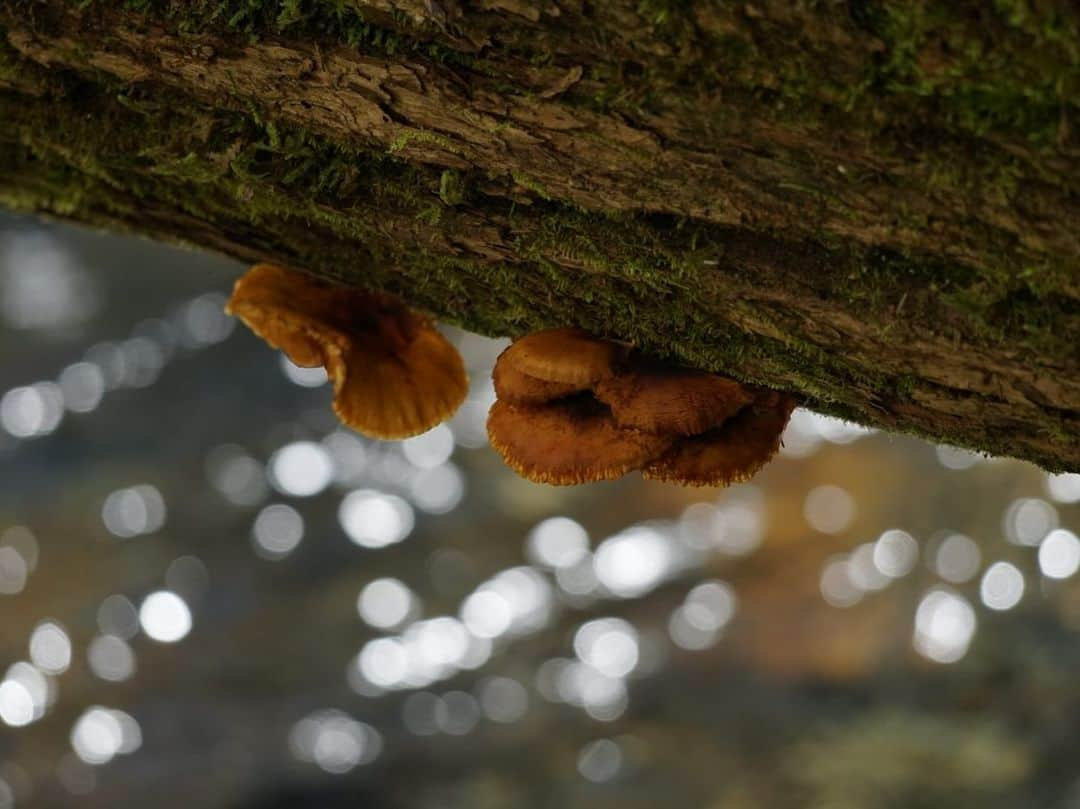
pixel 572 606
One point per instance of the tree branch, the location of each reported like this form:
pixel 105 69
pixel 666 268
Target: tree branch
pixel 860 224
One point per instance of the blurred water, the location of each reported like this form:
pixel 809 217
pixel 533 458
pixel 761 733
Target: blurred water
pixel 206 584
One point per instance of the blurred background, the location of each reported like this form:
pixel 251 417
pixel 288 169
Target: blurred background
pixel 212 595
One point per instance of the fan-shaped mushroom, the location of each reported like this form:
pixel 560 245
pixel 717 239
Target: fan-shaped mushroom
pixel 394 374
pixel 567 356
pixel 570 441
pixel 730 453
pixel 572 408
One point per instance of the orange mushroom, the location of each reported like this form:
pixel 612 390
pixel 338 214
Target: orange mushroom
pixel 672 400
pixel 570 441
pixel 566 356
pixel 571 408
pixel 512 385
pixel 394 374
pixel 728 454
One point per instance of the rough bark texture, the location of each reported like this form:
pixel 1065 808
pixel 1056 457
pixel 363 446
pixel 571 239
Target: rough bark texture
pixel 873 205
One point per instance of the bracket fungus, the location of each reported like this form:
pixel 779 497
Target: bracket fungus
pixel 394 374
pixel 573 408
pixel 566 356
pixel 511 385
pixel 672 400
pixel 731 453
pixel 568 441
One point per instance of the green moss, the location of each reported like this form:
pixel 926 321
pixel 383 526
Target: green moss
pixel 11 66
pixel 17 72
pixel 327 20
pixel 431 215
pixel 452 188
pixel 246 155
pixel 373 219
pixel 942 78
pixel 191 168
pixel 905 385
pixel 529 183
pixel 409 136
pixel 1004 68
pixel 984 72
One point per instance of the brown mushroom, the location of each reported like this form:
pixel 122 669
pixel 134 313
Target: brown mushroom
pixel 672 400
pixel 268 300
pixel 728 454
pixel 570 441
pixel 568 356
pixel 512 385
pixel 394 374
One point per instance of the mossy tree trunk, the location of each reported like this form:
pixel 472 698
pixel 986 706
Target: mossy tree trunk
pixel 871 204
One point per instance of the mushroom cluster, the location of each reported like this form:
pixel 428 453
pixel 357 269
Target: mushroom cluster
pixel 394 374
pixel 572 408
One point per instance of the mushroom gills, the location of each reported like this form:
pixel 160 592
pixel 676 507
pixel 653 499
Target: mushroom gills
pixel 728 454
pixel 570 441
pixel 672 400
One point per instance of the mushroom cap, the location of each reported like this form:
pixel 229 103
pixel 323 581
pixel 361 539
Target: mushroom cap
pixel 281 307
pixel 571 356
pixel 567 442
pixel 672 400
pixel 728 454
pixel 519 388
pixel 396 394
pixel 394 374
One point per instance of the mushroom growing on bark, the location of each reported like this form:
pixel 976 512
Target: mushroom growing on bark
pixel 511 385
pixel 573 408
pixel 554 363
pixel 672 400
pixel 567 356
pixel 394 374
pixel 569 441
pixel 731 453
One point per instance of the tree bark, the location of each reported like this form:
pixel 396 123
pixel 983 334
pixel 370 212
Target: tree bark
pixel 872 205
